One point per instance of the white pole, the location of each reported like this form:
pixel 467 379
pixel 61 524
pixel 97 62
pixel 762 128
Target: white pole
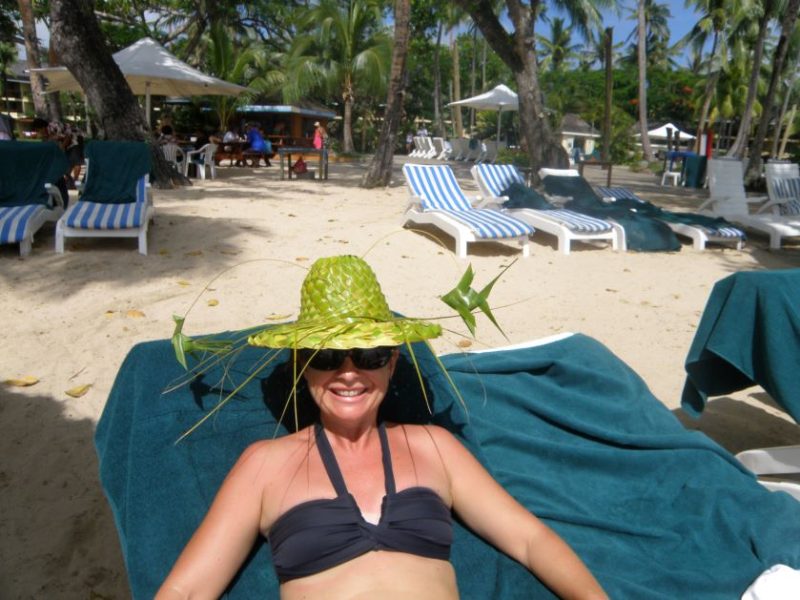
pixel 147 101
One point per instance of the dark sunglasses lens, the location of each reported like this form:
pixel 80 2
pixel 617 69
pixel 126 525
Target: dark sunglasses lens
pixel 322 360
pixel 371 358
pixel 330 360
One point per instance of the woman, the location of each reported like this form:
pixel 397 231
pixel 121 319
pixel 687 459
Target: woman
pixel 320 135
pixel 353 507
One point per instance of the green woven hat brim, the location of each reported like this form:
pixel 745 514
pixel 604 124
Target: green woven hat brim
pixel 343 336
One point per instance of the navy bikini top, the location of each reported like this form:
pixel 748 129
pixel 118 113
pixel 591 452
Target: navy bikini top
pixel 320 534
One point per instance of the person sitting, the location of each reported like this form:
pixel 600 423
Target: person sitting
pixel 353 506
pixel 257 146
pixel 230 136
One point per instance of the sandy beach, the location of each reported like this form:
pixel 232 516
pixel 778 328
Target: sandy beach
pixel 69 320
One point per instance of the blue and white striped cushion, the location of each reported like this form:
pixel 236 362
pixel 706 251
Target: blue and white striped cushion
pixel 96 215
pixel 577 222
pixel 623 193
pixel 437 188
pixel 14 221
pixel 498 178
pixel 100 215
pixel 788 188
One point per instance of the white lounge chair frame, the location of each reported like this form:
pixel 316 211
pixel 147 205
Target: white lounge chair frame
pixel 778 174
pixel 700 236
pixel 143 196
pixel 420 211
pixel 557 222
pixel 728 199
pixel 773 463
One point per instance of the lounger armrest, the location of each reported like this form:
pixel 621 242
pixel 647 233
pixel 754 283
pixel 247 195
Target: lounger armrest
pixel 55 195
pixel 779 460
pixel 772 205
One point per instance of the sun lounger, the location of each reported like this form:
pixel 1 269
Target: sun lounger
pixel 28 196
pixel 438 200
pixel 728 199
pixel 642 232
pixel 115 201
pixel 747 336
pixel 566 225
pixel 701 229
pixel 655 511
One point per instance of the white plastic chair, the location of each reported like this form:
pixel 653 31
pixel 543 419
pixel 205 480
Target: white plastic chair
pixel 202 158
pixel 174 154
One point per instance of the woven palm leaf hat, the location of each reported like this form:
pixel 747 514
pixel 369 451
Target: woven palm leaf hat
pixel 342 307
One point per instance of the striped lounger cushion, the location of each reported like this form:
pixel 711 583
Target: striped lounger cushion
pixel 14 221
pixel 96 215
pixel 788 187
pixel 499 177
pixel 439 190
pixel 622 193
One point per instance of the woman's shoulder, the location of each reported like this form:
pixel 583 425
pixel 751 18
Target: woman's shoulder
pixel 427 434
pixel 275 448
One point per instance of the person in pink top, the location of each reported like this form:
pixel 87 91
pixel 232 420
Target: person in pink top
pixel 320 135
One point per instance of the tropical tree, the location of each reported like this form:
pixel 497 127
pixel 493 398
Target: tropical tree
pixel 788 21
pixel 518 51
pixel 767 12
pixel 641 34
pixel 343 49
pixel 44 105
pixel 380 169
pixel 557 49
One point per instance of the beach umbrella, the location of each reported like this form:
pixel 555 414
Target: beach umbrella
pixel 661 132
pixel 500 98
pixel 150 70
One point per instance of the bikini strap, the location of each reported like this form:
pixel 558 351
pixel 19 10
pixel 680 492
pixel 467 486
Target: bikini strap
pixel 332 467
pixel 329 461
pixel 388 473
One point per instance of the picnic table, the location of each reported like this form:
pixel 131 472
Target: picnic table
pixel 285 154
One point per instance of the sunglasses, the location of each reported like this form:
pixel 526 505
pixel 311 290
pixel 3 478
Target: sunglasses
pixel 327 359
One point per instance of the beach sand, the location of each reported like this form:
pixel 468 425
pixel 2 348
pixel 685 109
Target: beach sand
pixel 70 319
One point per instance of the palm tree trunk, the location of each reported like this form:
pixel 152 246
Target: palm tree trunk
pixel 787 27
pixel 438 121
pixel 776 139
pixel 742 136
pixel 647 151
pixel 457 122
pixel 347 120
pixel 379 172
pixel 40 104
pixel 708 94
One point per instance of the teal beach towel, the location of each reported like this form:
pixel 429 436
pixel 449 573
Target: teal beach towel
pixel 114 169
pixel 655 511
pixel 24 169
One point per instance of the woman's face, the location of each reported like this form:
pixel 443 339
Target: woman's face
pixel 349 392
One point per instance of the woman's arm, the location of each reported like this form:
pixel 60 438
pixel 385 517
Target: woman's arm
pixel 220 545
pixel 496 516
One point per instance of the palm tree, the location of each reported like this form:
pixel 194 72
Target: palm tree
pixel 344 50
pixel 641 34
pixel 743 135
pixel 557 49
pixel 233 60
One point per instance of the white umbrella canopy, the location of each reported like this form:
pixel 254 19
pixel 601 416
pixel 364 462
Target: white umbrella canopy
pixel 500 98
pixel 661 132
pixel 150 70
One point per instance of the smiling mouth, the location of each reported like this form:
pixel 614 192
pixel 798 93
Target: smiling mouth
pixel 350 393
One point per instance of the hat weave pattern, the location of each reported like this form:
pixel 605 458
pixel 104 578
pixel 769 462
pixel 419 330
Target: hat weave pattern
pixel 342 307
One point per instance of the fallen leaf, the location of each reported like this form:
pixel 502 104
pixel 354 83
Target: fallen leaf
pixel 23 381
pixel 164 252
pixel 464 344
pixel 301 258
pixel 229 252
pixel 213 302
pixel 110 313
pixel 134 313
pixel 194 253
pixel 78 390
pixel 274 317
pixel 183 282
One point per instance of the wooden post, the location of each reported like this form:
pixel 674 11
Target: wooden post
pixel 609 38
